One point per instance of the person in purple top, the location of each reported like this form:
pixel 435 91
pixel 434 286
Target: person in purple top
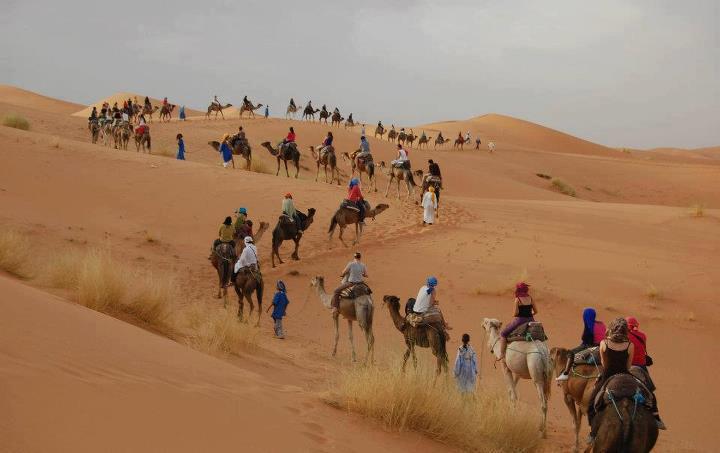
pixel 525 310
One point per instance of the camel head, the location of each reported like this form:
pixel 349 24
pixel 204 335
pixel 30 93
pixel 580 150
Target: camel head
pixel 558 357
pixel 392 301
pixel 310 215
pixel 490 323
pixel 263 227
pixel 318 281
pixel 214 144
pixel 378 209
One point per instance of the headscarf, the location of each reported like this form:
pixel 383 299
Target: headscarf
pixel 242 211
pixel 431 284
pixel 228 221
pixel 280 286
pixel 632 322
pixel 288 195
pixel 354 182
pixel 589 318
pixel 248 240
pixel 521 289
pixel 225 137
pixel 617 331
pixel 431 189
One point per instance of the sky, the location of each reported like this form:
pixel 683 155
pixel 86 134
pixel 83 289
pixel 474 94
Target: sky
pixel 618 72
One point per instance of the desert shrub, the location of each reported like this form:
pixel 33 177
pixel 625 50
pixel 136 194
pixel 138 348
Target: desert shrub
pixel 563 187
pixel 100 282
pixel 14 252
pixel 259 166
pixel 151 300
pixel 218 330
pixel 16 121
pixel 543 176
pixel 697 210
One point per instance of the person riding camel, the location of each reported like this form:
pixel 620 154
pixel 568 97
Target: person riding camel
pixel 593 333
pixel 324 108
pixel 380 126
pixel 326 144
pixel 337 110
pixel 290 138
pixel 165 102
pixel 364 153
pixel 642 360
pixel 355 197
pixel 402 161
pixel 288 208
pixel 240 137
pixel 225 234
pixel 353 274
pixel 240 219
pixel 426 304
pixel 117 117
pixel 215 101
pixel 246 102
pixel 467 137
pixel 433 171
pixel 440 137
pixel 292 103
pixel 248 261
pixel 147 102
pixel 93 114
pixel 423 137
pixel 525 310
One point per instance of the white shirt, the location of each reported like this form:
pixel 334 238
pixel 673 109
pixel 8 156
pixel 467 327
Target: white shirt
pixel 423 301
pixel 402 155
pixel 247 257
pixel 125 117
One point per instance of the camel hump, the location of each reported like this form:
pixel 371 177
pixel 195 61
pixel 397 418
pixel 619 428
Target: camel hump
pixel 623 386
pixel 355 291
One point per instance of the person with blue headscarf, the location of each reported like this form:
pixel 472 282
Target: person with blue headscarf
pixel 426 296
pixel 593 334
pixel 355 196
pixel 279 305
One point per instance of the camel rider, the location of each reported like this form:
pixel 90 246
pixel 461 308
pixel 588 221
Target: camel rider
pixel 355 197
pixel 93 114
pixel 426 301
pixel 326 144
pixel 240 219
pixel 130 105
pixel 642 360
pixel 593 333
pixel 467 137
pixel 364 150
pixel 324 108
pixel 402 161
pixel 380 125
pixel 125 117
pixel 165 102
pixel 147 102
pixel 433 171
pixel 215 101
pixel 440 137
pixel 246 101
pixel 288 208
pixel 354 273
pixel 292 103
pixel 337 110
pixel 525 310
pixel 423 137
pixel 117 117
pixel 248 260
pixel 240 136
pixel 225 234
pixel 290 138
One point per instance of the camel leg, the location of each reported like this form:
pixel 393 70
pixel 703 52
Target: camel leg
pixel 406 356
pixel 277 173
pixel 287 173
pixel 540 386
pixel 414 357
pixel 318 173
pixel 297 168
pixel 509 379
pixel 340 235
pixel 398 188
pixel 352 342
pixel 248 297
pixel 358 228
pixel 337 334
pixel 295 255
pixel 241 305
pixel 387 191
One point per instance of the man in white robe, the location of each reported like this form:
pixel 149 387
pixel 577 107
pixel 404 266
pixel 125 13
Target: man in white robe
pixel 429 204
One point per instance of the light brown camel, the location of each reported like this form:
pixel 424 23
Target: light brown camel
pixel 366 166
pixel 424 140
pixel 401 137
pixel 345 216
pixel 379 130
pixel 291 111
pixel 289 153
pixel 392 135
pixel 141 140
pixel 401 174
pixel 106 133
pixel 250 109
pixel 360 309
pixel 327 158
pixel 166 112
pixel 149 110
pixel 577 390
pixel 121 135
pixel 350 122
pixel 238 149
pixel 422 336
pixel 411 137
pixel 217 109
pixel 336 119
pixel 459 143
pixel 441 141
pixel 94 127
pixel 324 115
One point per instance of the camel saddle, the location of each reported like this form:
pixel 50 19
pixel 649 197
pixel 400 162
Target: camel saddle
pixel 432 316
pixel 623 386
pixel 589 356
pixel 347 204
pixel 402 165
pixel 530 331
pixel 355 291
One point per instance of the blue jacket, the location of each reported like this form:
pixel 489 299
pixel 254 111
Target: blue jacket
pixel 226 152
pixel 280 303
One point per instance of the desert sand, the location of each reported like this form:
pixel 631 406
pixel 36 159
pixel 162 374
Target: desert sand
pixel 626 244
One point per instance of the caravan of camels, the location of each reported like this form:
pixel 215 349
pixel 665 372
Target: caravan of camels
pixel 601 378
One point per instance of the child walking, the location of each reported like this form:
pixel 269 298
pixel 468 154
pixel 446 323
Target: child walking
pixel 279 305
pixel 466 366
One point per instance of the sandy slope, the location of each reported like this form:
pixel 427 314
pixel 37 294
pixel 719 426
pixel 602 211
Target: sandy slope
pixel 628 229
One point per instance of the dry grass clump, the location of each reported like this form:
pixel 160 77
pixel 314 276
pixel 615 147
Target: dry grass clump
pixel 218 330
pixel 14 252
pixel 409 401
pixel 151 299
pixel 165 151
pixel 259 166
pixel 16 121
pixel 101 285
pixel 563 187
pixel 653 293
pixel 697 210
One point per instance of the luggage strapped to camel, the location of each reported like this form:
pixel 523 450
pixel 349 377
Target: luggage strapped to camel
pixel 529 331
pixel 355 291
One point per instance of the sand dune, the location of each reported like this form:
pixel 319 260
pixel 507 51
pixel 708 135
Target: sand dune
pixel 17 96
pixel 124 96
pixel 628 230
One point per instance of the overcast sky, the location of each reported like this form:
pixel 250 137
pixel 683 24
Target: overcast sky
pixel 617 72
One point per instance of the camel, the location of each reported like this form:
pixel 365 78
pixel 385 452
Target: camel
pixel 624 425
pixel 223 259
pixel 250 109
pixel 166 112
pixel 459 143
pixel 345 216
pixel 324 115
pixel 291 111
pixel 401 174
pixel 247 282
pixel 289 152
pixel 359 309
pixel 350 122
pixel 217 109
pixel 287 229
pixel 328 158
pixel 94 127
pixel 106 133
pixel 336 119
pixel 424 140
pixel 577 390
pixel 523 360
pixel 441 141
pixel 410 138
pixel 309 112
pixel 401 137
pixel 392 135
pixel 423 336
pixel 121 135
pixel 149 110
pixel 142 139
pixel 379 130
pixel 368 166
pixel 491 147
pixel 238 149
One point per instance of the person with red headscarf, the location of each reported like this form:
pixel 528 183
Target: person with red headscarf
pixel 639 340
pixel 525 310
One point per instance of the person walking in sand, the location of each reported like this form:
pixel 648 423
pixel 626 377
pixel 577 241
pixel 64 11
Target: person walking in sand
pixel 267 111
pixel 181 147
pixel 429 204
pixel 182 112
pixel 226 152
pixel 466 366
pixel 279 305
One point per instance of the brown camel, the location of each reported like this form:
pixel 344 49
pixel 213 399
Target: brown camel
pixel 327 158
pixel 142 140
pixel 401 174
pixel 287 229
pixel 250 109
pixel 166 112
pixel 345 216
pixel 441 141
pixel 106 133
pixel 392 135
pixel 223 259
pixel 577 390
pixel 217 109
pixel 401 137
pixel 350 122
pixel 379 131
pixel 149 110
pixel 247 282
pixel 309 112
pixel 94 127
pixel 336 119
pixel 410 138
pixel 238 149
pixel 289 152
pixel 324 115
pixel 121 135
pixel 422 336
pixel 366 166
pixel 424 140
pixel 359 309
pixel 459 143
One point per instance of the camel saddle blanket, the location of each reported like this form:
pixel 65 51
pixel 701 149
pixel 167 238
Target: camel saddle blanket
pixel 432 316
pixel 434 180
pixel 404 165
pixel 355 291
pixel 347 204
pixel 589 356
pixel 530 331
pixel 623 386
pixel 140 130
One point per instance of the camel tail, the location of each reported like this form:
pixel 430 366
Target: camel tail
pixel 412 179
pixel 548 369
pixel 333 224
